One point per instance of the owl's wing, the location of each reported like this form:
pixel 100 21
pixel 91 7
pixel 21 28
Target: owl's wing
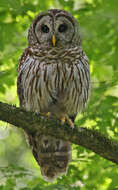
pixel 19 78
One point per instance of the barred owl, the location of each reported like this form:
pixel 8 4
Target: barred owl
pixel 53 77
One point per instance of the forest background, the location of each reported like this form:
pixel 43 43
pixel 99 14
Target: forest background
pixel 98 21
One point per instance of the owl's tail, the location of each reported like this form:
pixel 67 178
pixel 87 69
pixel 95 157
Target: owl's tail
pixel 53 155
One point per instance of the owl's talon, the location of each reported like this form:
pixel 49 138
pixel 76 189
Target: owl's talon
pixel 69 122
pixel 48 114
pixel 66 119
pixel 45 116
pixel 62 120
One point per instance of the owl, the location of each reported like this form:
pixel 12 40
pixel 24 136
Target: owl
pixel 53 78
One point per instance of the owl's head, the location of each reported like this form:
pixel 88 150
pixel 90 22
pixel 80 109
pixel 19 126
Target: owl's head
pixel 54 28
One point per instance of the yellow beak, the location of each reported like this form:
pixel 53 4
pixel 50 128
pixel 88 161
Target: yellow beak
pixel 53 40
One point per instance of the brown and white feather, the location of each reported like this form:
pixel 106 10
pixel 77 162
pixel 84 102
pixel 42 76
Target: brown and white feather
pixel 55 80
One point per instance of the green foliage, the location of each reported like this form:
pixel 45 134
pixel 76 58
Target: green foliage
pixel 99 31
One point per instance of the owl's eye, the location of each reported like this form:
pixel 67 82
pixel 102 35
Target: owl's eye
pixel 44 28
pixel 62 28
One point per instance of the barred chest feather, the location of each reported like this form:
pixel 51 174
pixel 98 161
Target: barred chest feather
pixel 55 81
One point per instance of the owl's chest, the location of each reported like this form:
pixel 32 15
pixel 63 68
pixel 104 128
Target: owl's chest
pixel 58 76
pixel 53 84
pixel 57 85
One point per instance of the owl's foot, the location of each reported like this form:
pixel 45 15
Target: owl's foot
pixel 48 114
pixel 63 119
pixel 70 123
pixel 67 120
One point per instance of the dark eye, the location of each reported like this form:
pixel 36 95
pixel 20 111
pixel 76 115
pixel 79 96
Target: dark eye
pixel 44 28
pixel 62 28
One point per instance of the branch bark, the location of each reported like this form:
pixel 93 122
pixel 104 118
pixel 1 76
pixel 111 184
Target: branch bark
pixel 31 123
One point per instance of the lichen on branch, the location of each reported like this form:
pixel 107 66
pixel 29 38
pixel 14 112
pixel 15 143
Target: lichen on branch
pixel 32 123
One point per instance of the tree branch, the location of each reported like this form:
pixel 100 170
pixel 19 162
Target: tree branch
pixel 87 138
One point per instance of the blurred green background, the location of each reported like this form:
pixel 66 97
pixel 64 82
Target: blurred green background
pixel 99 32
